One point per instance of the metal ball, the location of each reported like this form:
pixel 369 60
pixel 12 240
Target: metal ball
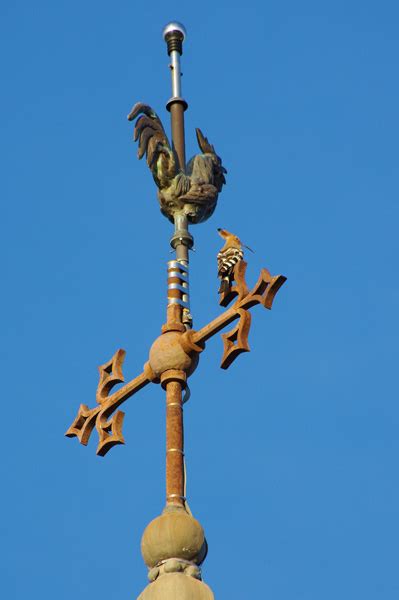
pixel 172 27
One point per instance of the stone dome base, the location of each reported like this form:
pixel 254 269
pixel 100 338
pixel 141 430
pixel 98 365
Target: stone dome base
pixel 176 586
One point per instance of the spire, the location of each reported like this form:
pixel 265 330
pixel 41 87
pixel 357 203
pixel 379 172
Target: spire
pixel 173 544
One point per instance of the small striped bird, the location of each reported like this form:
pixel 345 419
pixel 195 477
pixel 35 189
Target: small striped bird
pixel 231 253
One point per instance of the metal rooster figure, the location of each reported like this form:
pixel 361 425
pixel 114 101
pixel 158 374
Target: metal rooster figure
pixel 174 544
pixel 193 191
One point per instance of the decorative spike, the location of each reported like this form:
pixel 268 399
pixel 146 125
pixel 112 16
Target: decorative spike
pixel 203 143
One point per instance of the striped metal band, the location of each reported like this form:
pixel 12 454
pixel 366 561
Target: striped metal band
pixel 175 496
pixel 174 264
pixel 177 286
pixel 177 275
pixel 178 301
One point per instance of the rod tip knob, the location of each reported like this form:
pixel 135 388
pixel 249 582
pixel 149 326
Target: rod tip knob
pixel 174 27
pixel 174 34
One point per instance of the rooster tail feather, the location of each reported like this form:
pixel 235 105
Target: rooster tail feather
pixel 154 143
pixel 203 143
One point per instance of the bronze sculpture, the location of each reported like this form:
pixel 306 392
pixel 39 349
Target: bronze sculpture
pixel 192 190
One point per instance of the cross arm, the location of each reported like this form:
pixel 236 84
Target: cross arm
pixel 178 351
pixel 236 341
pixel 109 429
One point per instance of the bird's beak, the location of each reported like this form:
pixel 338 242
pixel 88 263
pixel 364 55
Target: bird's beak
pixel 248 248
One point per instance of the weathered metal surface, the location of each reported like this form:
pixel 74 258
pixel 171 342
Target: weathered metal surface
pixel 109 430
pixel 177 122
pixel 192 190
pixel 263 293
pixel 179 288
pixel 167 353
pixel 176 350
pixel 174 444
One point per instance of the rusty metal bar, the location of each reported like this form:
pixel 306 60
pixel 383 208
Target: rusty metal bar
pixel 177 121
pixel 178 312
pixel 174 444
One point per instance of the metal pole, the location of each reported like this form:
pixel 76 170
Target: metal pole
pixel 174 34
pixel 174 444
pixel 178 311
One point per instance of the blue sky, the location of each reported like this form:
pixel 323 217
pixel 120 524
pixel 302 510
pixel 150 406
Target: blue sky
pixel 292 454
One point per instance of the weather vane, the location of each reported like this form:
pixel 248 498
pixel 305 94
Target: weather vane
pixel 173 544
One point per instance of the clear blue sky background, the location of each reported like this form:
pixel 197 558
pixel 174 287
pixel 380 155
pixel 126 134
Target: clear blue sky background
pixel 292 454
